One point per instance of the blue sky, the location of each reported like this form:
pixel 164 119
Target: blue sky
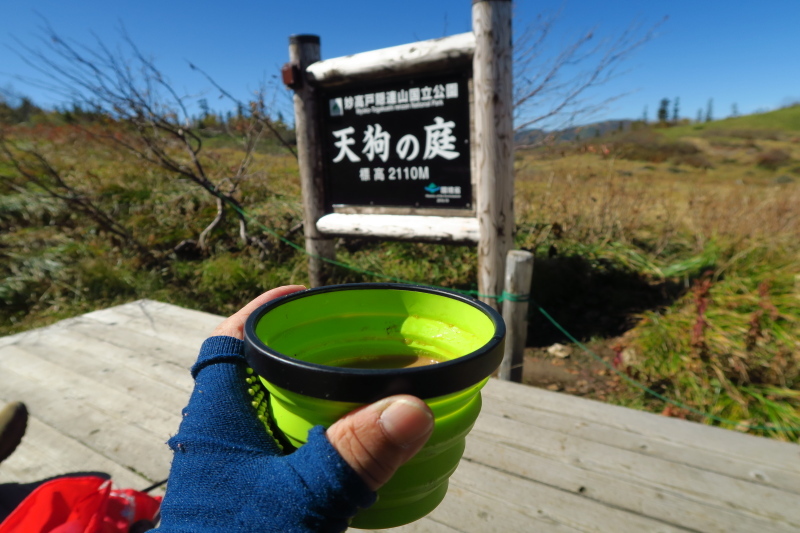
pixel 737 51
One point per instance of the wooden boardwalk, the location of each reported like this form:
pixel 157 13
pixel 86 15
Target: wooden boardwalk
pixel 105 392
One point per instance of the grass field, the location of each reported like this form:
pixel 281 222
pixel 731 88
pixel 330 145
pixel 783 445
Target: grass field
pixel 708 224
pixel 674 252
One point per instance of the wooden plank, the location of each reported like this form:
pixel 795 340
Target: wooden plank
pixel 738 447
pixel 194 323
pixel 402 227
pixel 434 55
pixel 61 382
pixel 191 323
pixel 392 210
pixel 423 525
pixel 37 458
pixel 181 356
pixel 176 356
pixel 467 510
pixel 190 319
pixel 141 377
pixel 125 349
pixel 472 511
pixel 612 490
pixel 704 487
pixel 752 470
pixel 529 502
pixel 165 329
pixel 104 419
pixel 13 339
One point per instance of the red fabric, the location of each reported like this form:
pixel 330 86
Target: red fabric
pixel 80 505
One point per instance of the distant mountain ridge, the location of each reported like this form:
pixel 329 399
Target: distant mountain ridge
pixel 588 131
pixel 786 119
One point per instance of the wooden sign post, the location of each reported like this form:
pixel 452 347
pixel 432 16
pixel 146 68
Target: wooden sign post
pixel 519 271
pixel 387 149
pixel 303 51
pixel 494 137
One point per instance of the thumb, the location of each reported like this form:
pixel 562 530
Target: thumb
pixel 379 438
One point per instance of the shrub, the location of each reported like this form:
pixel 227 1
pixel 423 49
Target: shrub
pixel 773 159
pixel 747 134
pixel 694 160
pixel 728 347
pixel 649 146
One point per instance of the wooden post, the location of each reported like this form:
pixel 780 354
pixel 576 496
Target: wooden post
pixel 492 85
pixel 303 51
pixel 519 270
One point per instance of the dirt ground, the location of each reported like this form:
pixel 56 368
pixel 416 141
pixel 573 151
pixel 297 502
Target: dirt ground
pixel 568 368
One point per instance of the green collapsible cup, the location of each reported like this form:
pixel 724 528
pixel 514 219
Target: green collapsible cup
pixel 303 347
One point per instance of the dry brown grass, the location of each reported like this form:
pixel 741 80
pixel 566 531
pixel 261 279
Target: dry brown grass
pixel 591 199
pixel 735 226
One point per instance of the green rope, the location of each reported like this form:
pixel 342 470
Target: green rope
pixel 508 297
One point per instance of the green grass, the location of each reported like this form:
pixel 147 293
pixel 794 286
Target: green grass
pixel 786 121
pixel 738 361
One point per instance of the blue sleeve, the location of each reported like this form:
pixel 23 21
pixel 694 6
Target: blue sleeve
pixel 229 475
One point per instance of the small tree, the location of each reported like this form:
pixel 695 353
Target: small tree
pixel 675 110
pixel 126 86
pixel 203 105
pixel 734 110
pixel 663 111
pixel 709 110
pixel 23 111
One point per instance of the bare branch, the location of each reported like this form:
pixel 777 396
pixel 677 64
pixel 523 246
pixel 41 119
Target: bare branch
pixel 129 88
pixel 260 117
pixel 41 172
pixel 556 90
pixel 201 241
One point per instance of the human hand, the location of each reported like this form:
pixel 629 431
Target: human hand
pixel 222 452
pixel 374 440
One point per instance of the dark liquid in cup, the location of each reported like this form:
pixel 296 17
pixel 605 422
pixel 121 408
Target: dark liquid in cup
pixel 382 362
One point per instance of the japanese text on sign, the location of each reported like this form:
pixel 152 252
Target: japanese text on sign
pixel 395 100
pixel 439 142
pixel 382 142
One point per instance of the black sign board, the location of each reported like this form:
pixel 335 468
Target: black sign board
pixel 398 144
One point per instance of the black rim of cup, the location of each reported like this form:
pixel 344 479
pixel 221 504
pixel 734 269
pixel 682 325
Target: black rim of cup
pixel 368 385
